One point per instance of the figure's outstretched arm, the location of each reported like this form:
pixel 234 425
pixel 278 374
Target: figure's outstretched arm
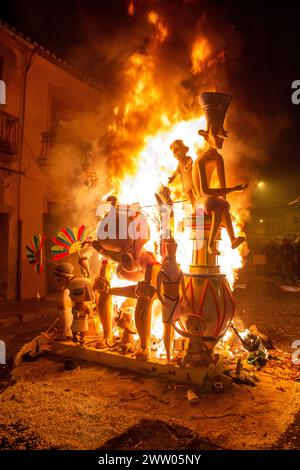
pixel 173 176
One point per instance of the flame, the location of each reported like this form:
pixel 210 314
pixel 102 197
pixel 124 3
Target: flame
pixel 230 260
pixel 156 161
pixel 201 51
pixel 140 72
pixel 151 162
pixel 131 8
pixel 161 31
pixel 155 164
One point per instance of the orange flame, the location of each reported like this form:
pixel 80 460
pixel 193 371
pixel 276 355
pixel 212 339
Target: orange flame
pixel 131 8
pixel 153 162
pixel 161 30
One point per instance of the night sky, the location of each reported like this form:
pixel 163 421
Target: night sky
pixel 261 74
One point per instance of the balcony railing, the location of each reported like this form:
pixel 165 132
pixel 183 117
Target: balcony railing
pixel 48 139
pixel 9 133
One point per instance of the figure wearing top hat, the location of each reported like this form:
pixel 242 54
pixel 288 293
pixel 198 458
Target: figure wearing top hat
pixel 184 169
pixel 215 106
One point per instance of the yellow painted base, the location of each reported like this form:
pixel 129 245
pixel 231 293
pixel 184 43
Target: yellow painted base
pixel 190 375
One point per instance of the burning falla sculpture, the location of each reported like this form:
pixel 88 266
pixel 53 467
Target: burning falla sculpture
pixel 207 289
pixel 198 305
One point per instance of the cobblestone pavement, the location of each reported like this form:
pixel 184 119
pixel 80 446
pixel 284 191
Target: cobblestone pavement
pixel 275 313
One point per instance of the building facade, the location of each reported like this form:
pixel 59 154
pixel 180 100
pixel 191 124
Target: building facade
pixel 41 90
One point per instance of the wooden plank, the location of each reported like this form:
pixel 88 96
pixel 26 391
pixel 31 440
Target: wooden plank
pixel 190 375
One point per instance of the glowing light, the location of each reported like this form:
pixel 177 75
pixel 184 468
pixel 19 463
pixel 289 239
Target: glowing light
pixel 156 161
pixel 230 260
pixel 161 30
pixel 131 8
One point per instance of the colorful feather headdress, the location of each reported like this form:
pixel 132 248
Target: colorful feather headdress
pixel 68 241
pixel 34 252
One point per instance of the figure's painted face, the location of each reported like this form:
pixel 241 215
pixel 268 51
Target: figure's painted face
pixel 60 282
pixel 179 153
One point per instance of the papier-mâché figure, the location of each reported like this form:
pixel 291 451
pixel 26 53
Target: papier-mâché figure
pixel 215 106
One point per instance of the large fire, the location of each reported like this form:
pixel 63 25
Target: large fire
pixel 154 162
pixel 200 53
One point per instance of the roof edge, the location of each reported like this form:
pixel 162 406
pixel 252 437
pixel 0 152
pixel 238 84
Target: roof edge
pixel 26 41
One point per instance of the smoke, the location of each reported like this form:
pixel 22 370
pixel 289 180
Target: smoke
pixel 151 77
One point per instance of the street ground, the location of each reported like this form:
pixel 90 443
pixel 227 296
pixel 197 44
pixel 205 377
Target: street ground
pixel 44 405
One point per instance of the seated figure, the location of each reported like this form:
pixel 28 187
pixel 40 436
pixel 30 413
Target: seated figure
pixel 215 106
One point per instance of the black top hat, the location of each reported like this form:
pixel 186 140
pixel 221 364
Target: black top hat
pixel 215 106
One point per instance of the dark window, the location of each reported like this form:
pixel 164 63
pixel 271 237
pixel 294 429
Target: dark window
pixel 9 133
